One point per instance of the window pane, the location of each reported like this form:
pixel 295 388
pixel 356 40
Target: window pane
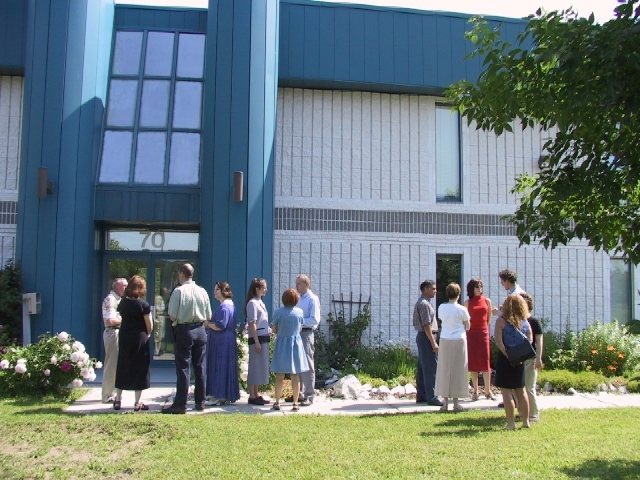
pixel 184 164
pixel 116 157
pixel 157 241
pixel 122 102
pixel 447 154
pixel 159 54
pixel 126 58
pixel 155 103
pixel 186 109
pixel 150 157
pixel 620 277
pixel 448 270
pixel 190 55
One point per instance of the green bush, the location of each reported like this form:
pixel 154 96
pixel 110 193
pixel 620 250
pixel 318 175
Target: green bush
pixel 607 349
pixel 10 306
pixel 50 367
pixel 388 361
pixel 342 347
pixel 563 380
pixel 633 384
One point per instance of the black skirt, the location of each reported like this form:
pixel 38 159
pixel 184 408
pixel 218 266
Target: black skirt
pixel 508 376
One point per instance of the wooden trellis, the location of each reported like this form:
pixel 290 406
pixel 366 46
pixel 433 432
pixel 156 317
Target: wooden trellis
pixel 345 306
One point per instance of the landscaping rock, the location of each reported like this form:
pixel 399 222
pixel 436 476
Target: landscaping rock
pixel 548 388
pixel 623 389
pixel 384 390
pixel 347 387
pixel 409 389
pixel 612 388
pixel 367 387
pixel 331 381
pixel 398 390
pixel 571 391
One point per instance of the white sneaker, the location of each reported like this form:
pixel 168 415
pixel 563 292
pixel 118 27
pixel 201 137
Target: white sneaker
pixel 534 419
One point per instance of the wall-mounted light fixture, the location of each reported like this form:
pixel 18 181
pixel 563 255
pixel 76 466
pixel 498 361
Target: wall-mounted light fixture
pixel 45 186
pixel 238 185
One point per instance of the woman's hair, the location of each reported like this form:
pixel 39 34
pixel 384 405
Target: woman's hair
pixel 137 287
pixel 471 286
pixel 453 291
pixel 514 310
pixel 529 299
pixel 256 283
pixel 225 289
pixel 290 298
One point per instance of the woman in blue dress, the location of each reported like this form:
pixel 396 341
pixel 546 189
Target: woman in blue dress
pixel 288 352
pixel 222 351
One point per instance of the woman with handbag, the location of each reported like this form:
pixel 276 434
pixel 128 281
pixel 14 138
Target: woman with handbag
pixel 511 330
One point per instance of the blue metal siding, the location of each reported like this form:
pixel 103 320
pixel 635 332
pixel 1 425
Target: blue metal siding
pixel 13 18
pixel 188 19
pixel 376 48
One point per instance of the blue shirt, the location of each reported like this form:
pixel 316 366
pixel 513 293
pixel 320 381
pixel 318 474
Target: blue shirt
pixel 310 306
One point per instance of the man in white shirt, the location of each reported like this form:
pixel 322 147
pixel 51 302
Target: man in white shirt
pixel 310 305
pixel 112 320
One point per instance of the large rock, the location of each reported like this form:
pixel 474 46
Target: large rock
pixel 409 389
pixel 348 387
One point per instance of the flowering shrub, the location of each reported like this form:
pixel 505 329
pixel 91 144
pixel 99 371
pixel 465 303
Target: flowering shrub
pixel 343 346
pixel 607 348
pixel 242 338
pixel 47 367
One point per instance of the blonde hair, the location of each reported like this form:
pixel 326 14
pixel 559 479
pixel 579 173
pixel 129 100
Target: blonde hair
pixel 514 310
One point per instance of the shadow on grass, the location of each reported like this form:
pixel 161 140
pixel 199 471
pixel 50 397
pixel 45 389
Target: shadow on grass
pixel 464 426
pixel 600 468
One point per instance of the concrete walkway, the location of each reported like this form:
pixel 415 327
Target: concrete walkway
pixel 158 397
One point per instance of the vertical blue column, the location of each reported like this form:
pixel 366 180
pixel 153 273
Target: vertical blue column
pixel 66 65
pixel 239 125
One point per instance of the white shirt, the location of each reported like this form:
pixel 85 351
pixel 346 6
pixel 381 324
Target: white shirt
pixel 453 316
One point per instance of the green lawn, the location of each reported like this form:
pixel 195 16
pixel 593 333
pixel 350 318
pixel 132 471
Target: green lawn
pixel 40 441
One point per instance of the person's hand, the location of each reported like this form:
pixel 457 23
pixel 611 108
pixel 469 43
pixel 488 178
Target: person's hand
pixel 539 365
pixel 258 347
pixel 435 348
pixel 494 311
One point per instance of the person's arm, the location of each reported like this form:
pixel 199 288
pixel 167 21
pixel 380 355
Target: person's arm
pixel 252 318
pixel 219 321
pixel 497 335
pixel 313 320
pixel 427 312
pixel 539 347
pixel 113 319
pixel 148 323
pixel 466 320
pixel 529 331
pixel 174 306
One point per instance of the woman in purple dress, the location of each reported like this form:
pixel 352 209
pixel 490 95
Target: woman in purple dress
pixel 222 351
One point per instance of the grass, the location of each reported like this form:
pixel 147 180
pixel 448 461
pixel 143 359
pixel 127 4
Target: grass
pixel 41 441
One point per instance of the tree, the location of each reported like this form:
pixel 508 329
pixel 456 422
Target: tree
pixel 576 79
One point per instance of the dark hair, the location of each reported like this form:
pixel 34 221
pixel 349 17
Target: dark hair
pixel 528 299
pixel 225 289
pixel 256 283
pixel 290 298
pixel 509 275
pixel 471 286
pixel 453 291
pixel 427 284
pixel 186 270
pixel 137 287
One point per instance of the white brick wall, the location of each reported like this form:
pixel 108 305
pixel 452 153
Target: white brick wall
pixel 359 150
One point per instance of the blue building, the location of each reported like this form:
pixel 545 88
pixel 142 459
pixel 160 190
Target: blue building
pixel 261 139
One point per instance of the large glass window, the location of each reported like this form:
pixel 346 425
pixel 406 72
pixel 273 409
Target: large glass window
pixel 621 288
pixel 153 123
pixel 448 270
pixel 448 160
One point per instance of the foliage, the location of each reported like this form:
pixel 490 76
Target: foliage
pixel 560 350
pixel 386 361
pixel 607 349
pixel 633 384
pixel 343 346
pixel 48 367
pixel 10 306
pixel 562 380
pixel 634 326
pixel 575 79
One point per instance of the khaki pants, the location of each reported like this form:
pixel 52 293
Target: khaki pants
pixel 110 338
pixel 530 378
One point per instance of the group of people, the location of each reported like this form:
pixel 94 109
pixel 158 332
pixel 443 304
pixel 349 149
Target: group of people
pixel 460 344
pixel 207 340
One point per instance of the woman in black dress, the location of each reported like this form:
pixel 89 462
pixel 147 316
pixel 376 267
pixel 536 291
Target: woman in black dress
pixel 132 372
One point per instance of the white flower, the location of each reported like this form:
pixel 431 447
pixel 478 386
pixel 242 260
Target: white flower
pixel 84 357
pixel 76 382
pixel 75 356
pixel 192 389
pixel 21 368
pixel 78 346
pixel 244 366
pixel 80 364
pixel 47 372
pixel 244 376
pixel 63 336
pixel 66 347
pixel 92 377
pixel 21 360
pixel 54 360
pixel 84 373
pixel 98 365
pixel 4 364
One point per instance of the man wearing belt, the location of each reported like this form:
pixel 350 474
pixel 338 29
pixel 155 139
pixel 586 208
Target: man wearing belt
pixel 112 320
pixel 189 307
pixel 425 323
pixel 310 306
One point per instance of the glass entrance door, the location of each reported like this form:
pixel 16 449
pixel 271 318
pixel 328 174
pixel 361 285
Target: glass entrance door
pixel 160 271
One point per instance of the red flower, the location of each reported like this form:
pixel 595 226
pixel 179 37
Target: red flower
pixel 65 366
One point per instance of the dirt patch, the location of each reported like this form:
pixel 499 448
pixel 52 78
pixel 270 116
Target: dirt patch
pixel 22 449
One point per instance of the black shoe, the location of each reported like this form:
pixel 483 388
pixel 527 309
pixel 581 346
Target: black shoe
pixel 257 401
pixel 174 410
pixel 435 403
pixel 200 406
pixel 264 400
pixel 290 399
pixel 421 400
pixel 501 405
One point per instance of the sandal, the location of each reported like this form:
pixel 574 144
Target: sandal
pixel 276 406
pixel 295 407
pixel 474 397
pixel 116 404
pixel 444 408
pixel 140 406
pixel 490 396
pixel 458 408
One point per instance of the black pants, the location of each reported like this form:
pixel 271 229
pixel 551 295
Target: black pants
pixel 190 344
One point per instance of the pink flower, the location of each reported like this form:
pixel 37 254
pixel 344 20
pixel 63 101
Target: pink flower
pixel 78 347
pixel 21 368
pixel 66 347
pixel 54 360
pixel 47 372
pixel 63 336
pixel 98 365
pixel 1 326
pixel 4 364
pixel 76 383
pixel 65 366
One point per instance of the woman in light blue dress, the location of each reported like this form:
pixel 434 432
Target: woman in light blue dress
pixel 288 352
